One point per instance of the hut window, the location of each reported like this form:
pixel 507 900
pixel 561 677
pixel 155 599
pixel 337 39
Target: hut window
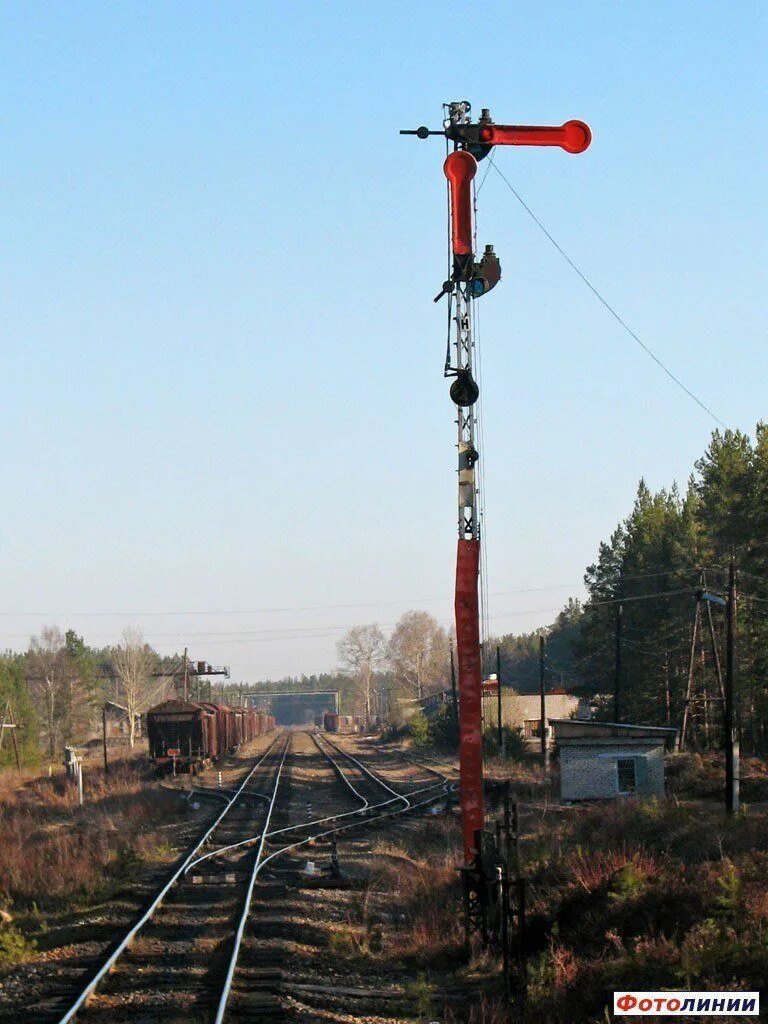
pixel 627 776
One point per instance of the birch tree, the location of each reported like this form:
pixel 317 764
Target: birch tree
pixel 47 681
pixel 361 650
pixel 418 652
pixel 134 661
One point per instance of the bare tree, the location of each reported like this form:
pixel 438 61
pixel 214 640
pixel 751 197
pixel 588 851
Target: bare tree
pixel 47 680
pixel 418 652
pixel 361 650
pixel 134 661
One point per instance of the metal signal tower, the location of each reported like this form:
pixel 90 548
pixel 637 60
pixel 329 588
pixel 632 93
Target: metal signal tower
pixel 470 279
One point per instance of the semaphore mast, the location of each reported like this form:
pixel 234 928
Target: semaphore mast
pixel 471 279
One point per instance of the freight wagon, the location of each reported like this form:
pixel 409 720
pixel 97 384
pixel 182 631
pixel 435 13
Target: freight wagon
pixel 333 722
pixel 188 736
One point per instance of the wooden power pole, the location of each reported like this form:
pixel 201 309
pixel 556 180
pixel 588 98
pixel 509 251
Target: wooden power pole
pixel 9 722
pixel 455 695
pixel 617 666
pixel 731 727
pixel 104 736
pixel 502 745
pixel 543 706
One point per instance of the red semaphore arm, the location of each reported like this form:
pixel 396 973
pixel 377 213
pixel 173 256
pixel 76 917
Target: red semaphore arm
pixel 573 136
pixel 460 168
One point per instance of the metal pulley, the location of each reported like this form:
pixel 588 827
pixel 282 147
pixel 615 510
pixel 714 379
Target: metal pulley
pixel 481 276
pixel 464 391
pixel 468 456
pixel 486 274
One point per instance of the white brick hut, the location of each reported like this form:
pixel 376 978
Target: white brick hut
pixel 607 760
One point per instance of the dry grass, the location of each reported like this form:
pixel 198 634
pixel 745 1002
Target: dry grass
pixel 594 869
pixel 645 895
pixel 422 877
pixel 52 853
pixel 489 1010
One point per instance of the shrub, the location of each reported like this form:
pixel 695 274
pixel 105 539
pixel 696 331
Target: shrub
pixel 15 948
pixel 419 731
pixel 514 743
pixel 728 902
pixel 624 870
pixel 394 732
pixel 125 864
pixel 420 995
pixel 443 730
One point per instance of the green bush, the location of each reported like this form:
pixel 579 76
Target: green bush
pixel 15 948
pixel 438 732
pixel 126 863
pixel 442 727
pixel 628 882
pixel 514 743
pixel 394 732
pixel 419 730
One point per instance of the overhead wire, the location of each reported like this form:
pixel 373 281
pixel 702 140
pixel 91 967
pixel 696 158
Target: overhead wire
pixel 488 167
pixel 324 631
pixel 203 612
pixel 481 490
pixel 619 319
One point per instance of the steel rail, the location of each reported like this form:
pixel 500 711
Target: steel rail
pixel 334 763
pixel 445 787
pixel 305 824
pixel 421 762
pixel 366 770
pixel 128 938
pixel 260 863
pixel 421 759
pixel 332 817
pixel 249 894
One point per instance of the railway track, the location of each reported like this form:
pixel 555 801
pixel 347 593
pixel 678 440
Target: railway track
pixel 257 984
pixel 167 963
pixel 204 949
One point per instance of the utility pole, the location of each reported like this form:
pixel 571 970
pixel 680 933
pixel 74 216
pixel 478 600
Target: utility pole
pixel 186 674
pixel 667 696
pixel 688 702
pixel 9 722
pixel 502 744
pixel 715 655
pixel 543 709
pixel 731 728
pixel 104 736
pixel 455 695
pixel 617 665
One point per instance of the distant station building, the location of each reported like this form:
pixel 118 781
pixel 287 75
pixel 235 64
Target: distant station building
pixel 608 760
pixel 117 721
pixel 523 710
pixel 295 707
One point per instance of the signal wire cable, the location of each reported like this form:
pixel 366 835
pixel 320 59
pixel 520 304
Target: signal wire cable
pixel 619 319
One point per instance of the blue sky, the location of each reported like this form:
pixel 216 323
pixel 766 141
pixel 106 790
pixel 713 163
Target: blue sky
pixel 221 364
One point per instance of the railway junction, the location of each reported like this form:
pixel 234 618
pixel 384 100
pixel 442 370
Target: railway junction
pixel 254 919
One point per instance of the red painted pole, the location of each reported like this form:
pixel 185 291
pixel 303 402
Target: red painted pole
pixel 470 696
pixel 472 142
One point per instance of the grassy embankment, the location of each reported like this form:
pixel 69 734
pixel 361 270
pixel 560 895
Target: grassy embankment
pixel 638 894
pixel 57 859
